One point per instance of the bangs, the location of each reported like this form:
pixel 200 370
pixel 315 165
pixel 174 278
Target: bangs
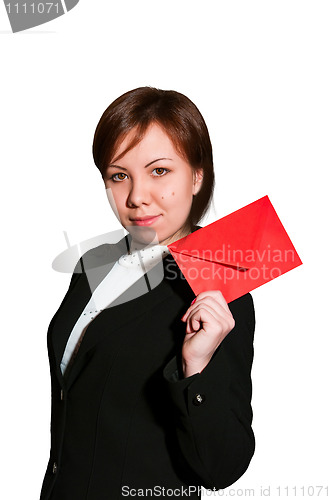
pixel 132 113
pixel 138 134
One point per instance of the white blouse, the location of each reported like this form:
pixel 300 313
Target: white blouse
pixel 125 272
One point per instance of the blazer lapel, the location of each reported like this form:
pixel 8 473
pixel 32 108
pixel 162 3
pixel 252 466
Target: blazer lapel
pixel 140 297
pixel 89 271
pixel 125 311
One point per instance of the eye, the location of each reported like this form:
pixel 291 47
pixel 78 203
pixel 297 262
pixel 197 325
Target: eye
pixel 120 176
pixel 159 171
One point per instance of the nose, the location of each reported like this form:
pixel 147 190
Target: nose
pixel 139 193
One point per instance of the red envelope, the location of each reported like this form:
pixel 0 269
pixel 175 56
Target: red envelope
pixel 237 253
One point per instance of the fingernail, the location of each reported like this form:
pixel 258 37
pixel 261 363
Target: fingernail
pixel 193 301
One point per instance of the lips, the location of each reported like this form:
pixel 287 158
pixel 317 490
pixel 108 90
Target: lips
pixel 147 220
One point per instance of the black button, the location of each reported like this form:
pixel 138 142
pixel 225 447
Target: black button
pixel 198 399
pixel 55 468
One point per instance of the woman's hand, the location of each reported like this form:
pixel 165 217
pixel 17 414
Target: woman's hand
pixel 209 320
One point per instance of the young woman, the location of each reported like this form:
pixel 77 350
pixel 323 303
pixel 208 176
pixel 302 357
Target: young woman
pixel 151 385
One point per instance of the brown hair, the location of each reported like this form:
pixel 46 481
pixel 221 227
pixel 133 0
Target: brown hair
pixel 182 122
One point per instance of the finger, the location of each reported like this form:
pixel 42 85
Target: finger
pixel 216 301
pixel 211 306
pixel 216 294
pixel 198 319
pixel 213 302
pixel 205 318
pixel 193 325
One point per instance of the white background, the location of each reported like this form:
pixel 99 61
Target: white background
pixel 260 72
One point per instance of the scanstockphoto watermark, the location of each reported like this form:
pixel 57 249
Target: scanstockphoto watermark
pixel 227 264
pixel 224 273
pixel 221 266
pixel 161 491
pixel 239 257
pixel 278 491
pixel 23 15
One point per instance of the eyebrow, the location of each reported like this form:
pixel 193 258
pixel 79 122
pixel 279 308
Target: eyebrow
pixel 148 165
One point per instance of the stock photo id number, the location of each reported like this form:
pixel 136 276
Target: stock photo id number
pixel 24 15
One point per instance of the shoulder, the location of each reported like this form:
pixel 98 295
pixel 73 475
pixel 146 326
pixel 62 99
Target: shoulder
pixel 239 342
pixel 242 306
pixel 100 255
pixel 243 312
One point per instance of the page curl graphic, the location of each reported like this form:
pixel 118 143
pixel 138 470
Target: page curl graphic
pixel 25 14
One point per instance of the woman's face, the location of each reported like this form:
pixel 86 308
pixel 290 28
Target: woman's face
pixel 151 188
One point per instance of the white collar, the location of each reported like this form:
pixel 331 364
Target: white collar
pixel 144 256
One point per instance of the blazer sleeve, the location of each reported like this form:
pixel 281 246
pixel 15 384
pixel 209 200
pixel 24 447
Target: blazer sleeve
pixel 212 410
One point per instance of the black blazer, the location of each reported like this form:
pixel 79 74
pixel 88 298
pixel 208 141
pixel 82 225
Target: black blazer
pixel 123 418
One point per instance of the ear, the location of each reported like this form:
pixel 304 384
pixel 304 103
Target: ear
pixel 197 180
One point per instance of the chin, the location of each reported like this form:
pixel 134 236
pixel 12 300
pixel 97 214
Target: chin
pixel 143 235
